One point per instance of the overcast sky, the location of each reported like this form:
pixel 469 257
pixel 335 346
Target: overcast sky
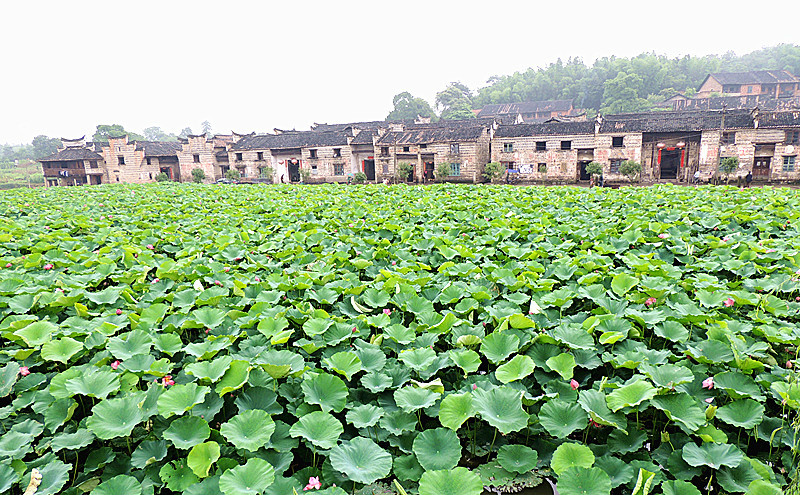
pixel 253 66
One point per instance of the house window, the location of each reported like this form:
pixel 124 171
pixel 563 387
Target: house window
pixel 455 169
pixel 314 169
pixel 238 157
pixel 338 169
pixel 423 146
pixel 508 165
pixel 260 155
pixel 615 163
pixel 148 162
pixel 385 168
pixel 749 89
pixel 542 168
pixel 312 153
pixel 728 138
pixel 508 147
pixel 121 160
pixel 566 145
pixel 788 163
pixel 384 150
pixel 196 158
pixel 406 149
pixel 93 164
pixel 730 88
pixel 617 142
pixel 541 145
pixel 454 149
pixel 337 152
pixel 792 137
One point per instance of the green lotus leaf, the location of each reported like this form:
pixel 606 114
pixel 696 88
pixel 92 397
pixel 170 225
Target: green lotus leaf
pixel 168 343
pixel 574 336
pixel 119 484
pixel 400 334
pixel 201 458
pixel 180 398
pixel 210 370
pixel 762 487
pixel 630 395
pixel 362 460
pixel 234 378
pixel 583 481
pixel 376 382
pixel 72 441
pixel 251 478
pixel 571 455
pixel 345 363
pixel 396 422
pixel 207 317
pixel 113 418
pixel 210 486
pixel 560 418
pixel 275 362
pixel 738 385
pixel 418 359
pixel 458 481
pixel 328 391
pixel 501 407
pixel 621 283
pixel 60 350
pixel 466 359
pixel 411 399
pixel 319 428
pixel 177 476
pixel 745 413
pixel 8 476
pixel 407 468
pixel 148 452
pixel 738 479
pixel 682 409
pixel 364 416
pixel 713 455
pixel 55 475
pixel 316 326
pixel 249 430
pixel 8 376
pixel 437 448
pixel 106 296
pixel 563 364
pixel 516 369
pixel 497 346
pixel 668 375
pixel 187 431
pixel 672 330
pixel 153 314
pixel 469 339
pixel 258 398
pixel 618 470
pixel 94 382
pixel 455 409
pixel 517 458
pixel 37 333
pixel 594 403
pixel 15 444
pixel 130 344
pixel 679 487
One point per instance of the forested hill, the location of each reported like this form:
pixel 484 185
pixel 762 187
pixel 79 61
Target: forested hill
pixel 610 84
pixel 614 84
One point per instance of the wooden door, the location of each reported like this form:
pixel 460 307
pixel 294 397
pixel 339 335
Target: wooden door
pixel 761 167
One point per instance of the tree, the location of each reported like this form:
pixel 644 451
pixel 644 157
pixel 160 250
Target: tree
pixel 455 102
pixel 233 174
pixel 206 125
pixel 162 177
pixel 360 178
pixel 104 131
pixel 728 165
pixel 44 146
pixel 443 170
pixel 630 169
pixel 404 171
pixel 155 134
pixel 594 168
pixel 407 106
pixel 493 170
pixel 198 175
pixel 185 132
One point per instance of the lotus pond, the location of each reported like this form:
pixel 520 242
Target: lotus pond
pixel 435 340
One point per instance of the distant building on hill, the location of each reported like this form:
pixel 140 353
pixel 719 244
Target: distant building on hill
pixel 769 90
pixel 530 111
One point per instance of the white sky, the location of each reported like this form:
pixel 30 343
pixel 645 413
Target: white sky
pixel 252 66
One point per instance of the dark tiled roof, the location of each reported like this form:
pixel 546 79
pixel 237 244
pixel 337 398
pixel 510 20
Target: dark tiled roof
pixel 545 129
pixel 158 148
pixel 371 125
pixel 754 77
pixel 431 134
pixel 779 119
pixel 526 107
pixel 679 121
pixel 70 154
pixel 763 102
pixel 305 139
pixel 364 137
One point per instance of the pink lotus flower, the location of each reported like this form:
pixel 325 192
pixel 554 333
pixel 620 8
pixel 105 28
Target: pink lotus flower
pixel 574 384
pixel 708 383
pixel 258 279
pixel 313 483
pixel 155 281
pixel 663 236
pixel 115 364
pixel 770 250
pixel 650 301
pixel 788 364
pixel 355 329
pixel 48 266
pixel 726 239
pixel 729 302
pixel 218 282
pixel 394 262
pixel 167 380
pixel 474 386
pixel 119 311
pixel 24 371
pixel 8 265
pixel 387 311
pixel 149 246
pixel 710 400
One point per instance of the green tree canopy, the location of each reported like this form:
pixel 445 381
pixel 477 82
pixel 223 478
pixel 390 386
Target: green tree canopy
pixel 44 146
pixel 104 131
pixel 455 102
pixel 407 106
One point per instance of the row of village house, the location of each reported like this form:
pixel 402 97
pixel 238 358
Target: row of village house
pixel 670 145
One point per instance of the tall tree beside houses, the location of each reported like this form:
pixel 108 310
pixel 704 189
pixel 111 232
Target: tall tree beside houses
pixel 44 146
pixel 104 131
pixel 155 133
pixel 407 106
pixel 185 132
pixel 206 125
pixel 455 102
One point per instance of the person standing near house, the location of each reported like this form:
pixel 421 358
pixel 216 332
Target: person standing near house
pixel 697 176
pixel 748 178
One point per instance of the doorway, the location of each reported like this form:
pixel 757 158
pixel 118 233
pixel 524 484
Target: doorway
pixel 584 174
pixel 429 174
pixel 761 167
pixel 294 171
pixel 411 174
pixel 369 169
pixel 670 162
